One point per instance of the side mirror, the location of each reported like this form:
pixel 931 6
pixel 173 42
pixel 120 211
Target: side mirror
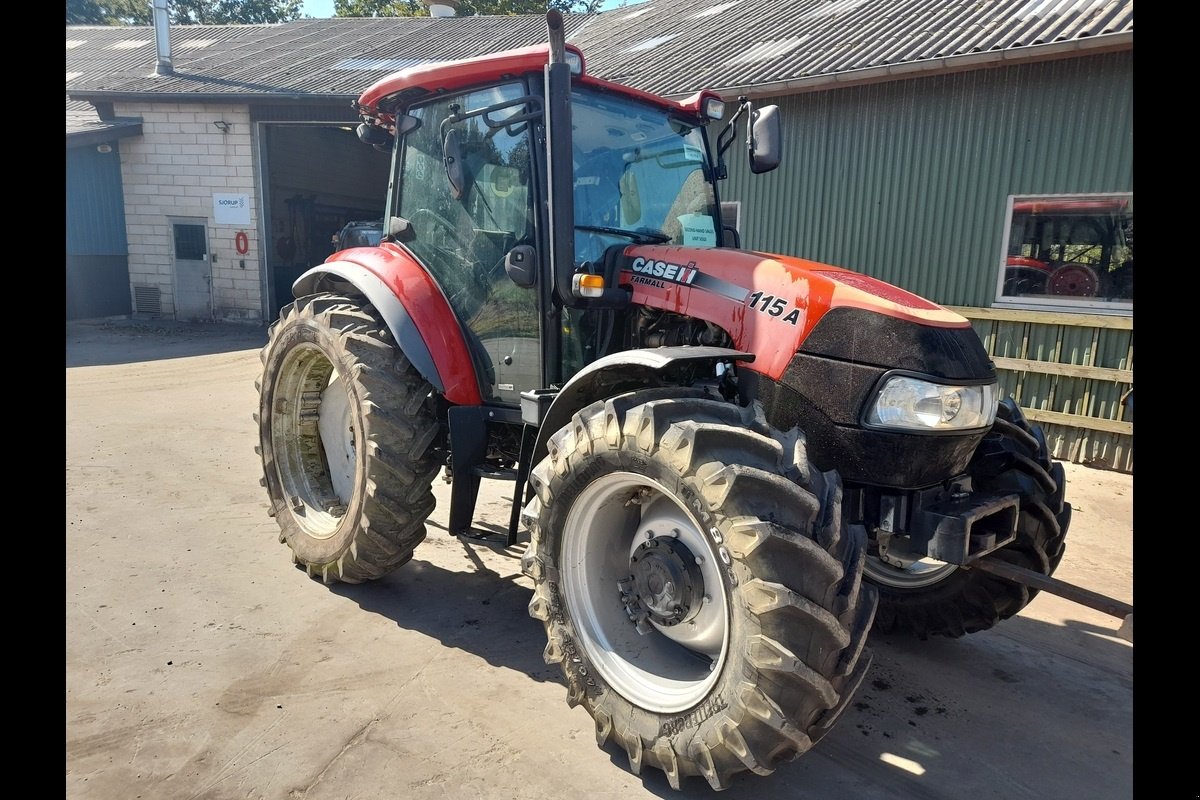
pixel 400 230
pixel 521 265
pixel 765 141
pixel 406 123
pixel 453 160
pixel 375 136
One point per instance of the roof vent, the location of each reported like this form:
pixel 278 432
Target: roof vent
pixel 162 39
pixel 442 8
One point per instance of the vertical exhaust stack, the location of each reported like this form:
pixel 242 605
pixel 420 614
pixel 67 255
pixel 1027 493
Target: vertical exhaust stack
pixel 162 39
pixel 558 157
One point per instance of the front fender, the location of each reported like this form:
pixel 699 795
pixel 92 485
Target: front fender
pixel 624 372
pixel 414 309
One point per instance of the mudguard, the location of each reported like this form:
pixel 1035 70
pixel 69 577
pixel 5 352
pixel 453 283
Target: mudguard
pixel 623 372
pixel 415 310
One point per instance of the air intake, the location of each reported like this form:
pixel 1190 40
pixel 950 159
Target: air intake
pixel 147 300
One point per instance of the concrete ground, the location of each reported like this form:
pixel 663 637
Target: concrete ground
pixel 202 664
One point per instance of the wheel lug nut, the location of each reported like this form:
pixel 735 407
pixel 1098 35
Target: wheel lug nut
pixel 699 559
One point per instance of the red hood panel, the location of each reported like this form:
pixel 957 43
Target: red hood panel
pixel 768 303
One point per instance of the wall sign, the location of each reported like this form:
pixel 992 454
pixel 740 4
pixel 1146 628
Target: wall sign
pixel 231 209
pixel 241 243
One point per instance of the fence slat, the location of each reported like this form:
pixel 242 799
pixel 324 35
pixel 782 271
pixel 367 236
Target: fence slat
pixel 1080 421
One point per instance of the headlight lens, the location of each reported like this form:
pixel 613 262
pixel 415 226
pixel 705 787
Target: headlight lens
pixel 912 404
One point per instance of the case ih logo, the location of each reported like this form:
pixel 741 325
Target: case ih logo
pixel 676 273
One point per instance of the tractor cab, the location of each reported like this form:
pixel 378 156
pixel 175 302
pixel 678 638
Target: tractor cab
pixel 524 251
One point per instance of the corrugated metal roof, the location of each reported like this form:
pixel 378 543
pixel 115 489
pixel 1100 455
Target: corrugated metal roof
pixel 83 119
pixel 667 46
pixel 308 57
pixel 757 42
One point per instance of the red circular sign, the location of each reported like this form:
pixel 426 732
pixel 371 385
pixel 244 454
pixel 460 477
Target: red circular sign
pixel 242 243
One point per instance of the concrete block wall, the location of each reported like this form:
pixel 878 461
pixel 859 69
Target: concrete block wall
pixel 172 170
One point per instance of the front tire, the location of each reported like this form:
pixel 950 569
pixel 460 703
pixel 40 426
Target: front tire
pixel 697 586
pixel 347 436
pixel 936 599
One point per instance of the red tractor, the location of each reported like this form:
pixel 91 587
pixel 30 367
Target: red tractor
pixel 1071 247
pixel 729 464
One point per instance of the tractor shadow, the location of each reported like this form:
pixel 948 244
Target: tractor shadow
pixel 477 610
pixel 1027 709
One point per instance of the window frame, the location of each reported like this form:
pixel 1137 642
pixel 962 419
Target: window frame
pixel 1080 306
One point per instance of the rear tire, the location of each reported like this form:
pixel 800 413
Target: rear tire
pixel 1012 458
pixel 348 436
pixel 755 644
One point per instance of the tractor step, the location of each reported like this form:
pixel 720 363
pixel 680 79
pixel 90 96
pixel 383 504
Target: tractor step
pixel 485 471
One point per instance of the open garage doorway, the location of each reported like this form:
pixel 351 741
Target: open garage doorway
pixel 318 178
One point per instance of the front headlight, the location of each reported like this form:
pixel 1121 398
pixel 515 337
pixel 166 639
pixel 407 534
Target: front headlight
pixel 912 404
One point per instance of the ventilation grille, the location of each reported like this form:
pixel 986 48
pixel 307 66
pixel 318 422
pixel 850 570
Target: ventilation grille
pixel 147 300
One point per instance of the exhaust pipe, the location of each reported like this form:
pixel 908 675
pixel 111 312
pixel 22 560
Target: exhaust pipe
pixel 162 39
pixel 558 157
pixel 558 50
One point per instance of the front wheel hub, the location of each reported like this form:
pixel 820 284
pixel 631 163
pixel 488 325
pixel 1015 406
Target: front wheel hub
pixel 666 580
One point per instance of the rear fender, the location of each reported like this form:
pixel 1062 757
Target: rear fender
pixel 414 309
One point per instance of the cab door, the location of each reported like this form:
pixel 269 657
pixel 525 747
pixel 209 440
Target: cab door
pixel 464 228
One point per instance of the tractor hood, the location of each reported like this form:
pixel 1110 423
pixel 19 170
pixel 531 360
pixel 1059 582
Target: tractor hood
pixel 769 304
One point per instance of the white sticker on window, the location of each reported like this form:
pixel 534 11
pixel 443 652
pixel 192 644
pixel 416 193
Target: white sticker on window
pixel 698 230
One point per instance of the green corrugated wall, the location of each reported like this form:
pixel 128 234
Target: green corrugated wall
pixel 908 181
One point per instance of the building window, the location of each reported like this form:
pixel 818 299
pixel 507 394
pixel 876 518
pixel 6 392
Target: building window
pixel 1068 251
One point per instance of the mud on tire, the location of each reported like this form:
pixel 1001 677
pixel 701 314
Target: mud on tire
pixel 777 612
pixel 347 437
pixel 1013 457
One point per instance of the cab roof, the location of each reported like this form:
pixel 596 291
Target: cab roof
pixel 380 102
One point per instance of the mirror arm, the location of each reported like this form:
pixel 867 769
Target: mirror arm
pixel 725 138
pixel 748 107
pixel 535 111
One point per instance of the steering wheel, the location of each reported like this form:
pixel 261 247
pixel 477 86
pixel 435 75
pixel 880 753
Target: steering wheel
pixel 439 221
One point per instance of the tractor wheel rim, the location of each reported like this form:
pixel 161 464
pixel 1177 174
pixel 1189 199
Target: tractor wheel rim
pixel 631 550
pixel 919 574
pixel 311 431
pixel 336 427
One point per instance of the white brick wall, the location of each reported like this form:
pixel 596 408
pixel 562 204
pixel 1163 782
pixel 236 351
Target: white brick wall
pixel 172 170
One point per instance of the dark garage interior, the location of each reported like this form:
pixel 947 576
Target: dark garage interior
pixel 319 177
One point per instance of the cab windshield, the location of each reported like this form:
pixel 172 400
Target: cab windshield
pixel 639 170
